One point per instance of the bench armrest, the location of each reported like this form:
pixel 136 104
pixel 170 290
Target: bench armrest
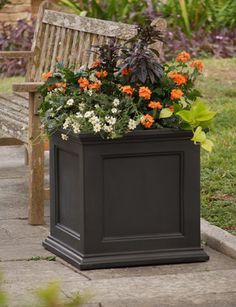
pixel 16 54
pixel 30 87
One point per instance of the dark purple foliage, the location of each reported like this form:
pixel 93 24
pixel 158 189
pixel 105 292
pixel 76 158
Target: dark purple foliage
pixel 218 43
pixel 12 38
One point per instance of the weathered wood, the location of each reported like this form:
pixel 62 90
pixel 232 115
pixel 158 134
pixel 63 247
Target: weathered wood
pixel 90 25
pixel 30 87
pixel 46 193
pixel 36 165
pixel 16 54
pixel 10 141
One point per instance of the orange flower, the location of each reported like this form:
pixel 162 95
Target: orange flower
pixel 60 85
pixel 147 121
pixel 95 64
pixel 83 82
pixel 171 108
pixel 94 85
pixel 46 75
pixel 183 57
pixel 50 88
pixel 176 94
pixel 155 105
pixel 127 89
pixel 126 71
pixel 145 92
pixel 178 79
pixel 101 74
pixel 197 64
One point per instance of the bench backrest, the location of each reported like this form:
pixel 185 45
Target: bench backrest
pixel 68 38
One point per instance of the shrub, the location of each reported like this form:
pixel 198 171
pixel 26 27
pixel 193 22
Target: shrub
pixel 17 37
pixel 218 43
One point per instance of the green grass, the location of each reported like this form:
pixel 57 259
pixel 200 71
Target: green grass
pixel 6 84
pixel 218 170
pixel 218 173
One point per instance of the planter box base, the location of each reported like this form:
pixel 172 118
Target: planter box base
pixel 124 259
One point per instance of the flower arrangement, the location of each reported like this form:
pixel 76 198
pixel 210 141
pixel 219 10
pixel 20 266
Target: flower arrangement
pixel 125 89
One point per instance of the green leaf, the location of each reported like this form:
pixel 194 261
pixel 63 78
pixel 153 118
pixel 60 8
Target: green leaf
pixel 199 136
pixel 165 113
pixel 207 145
pixel 186 115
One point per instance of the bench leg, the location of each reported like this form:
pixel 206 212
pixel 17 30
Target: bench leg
pixel 36 164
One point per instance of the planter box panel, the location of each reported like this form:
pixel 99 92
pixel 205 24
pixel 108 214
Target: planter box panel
pixel 136 200
pixel 134 182
pixel 67 213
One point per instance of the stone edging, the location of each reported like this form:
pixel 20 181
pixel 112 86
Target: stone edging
pixel 218 239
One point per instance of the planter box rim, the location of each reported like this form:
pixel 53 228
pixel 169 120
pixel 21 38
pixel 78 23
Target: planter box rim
pixel 164 133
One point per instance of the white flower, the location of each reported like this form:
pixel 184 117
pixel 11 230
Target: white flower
pixel 64 137
pixel 116 102
pixel 76 127
pixel 113 110
pixel 94 120
pixel 110 120
pixel 70 102
pixel 81 106
pixel 88 114
pixel 132 124
pixel 79 115
pixel 67 123
pixel 90 92
pixel 107 128
pixel 97 127
pixel 96 106
pixel 82 68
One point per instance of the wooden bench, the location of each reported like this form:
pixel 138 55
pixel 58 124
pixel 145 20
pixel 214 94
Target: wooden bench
pixel 61 36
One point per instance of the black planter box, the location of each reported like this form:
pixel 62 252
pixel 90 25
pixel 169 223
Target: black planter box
pixel 125 202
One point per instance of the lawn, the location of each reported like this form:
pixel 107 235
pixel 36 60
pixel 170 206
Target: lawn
pixel 218 172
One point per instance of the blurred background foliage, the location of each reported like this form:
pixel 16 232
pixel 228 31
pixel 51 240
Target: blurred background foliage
pixel 201 27
pixel 189 15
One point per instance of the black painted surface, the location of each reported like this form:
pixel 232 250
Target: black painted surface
pixel 131 201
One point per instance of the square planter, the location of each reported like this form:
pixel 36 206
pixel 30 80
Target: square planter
pixel 124 202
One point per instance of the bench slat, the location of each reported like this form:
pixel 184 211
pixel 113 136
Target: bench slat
pixel 90 25
pixel 13 128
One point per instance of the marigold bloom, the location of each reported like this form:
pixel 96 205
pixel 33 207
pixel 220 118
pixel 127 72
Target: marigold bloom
pixel 127 89
pixel 94 85
pixel 155 105
pixel 60 85
pixel 178 79
pixel 176 94
pixel 147 121
pixel 171 108
pixel 126 71
pixel 46 75
pixel 95 64
pixel 50 88
pixel 101 74
pixel 183 57
pixel 197 64
pixel 145 92
pixel 83 82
